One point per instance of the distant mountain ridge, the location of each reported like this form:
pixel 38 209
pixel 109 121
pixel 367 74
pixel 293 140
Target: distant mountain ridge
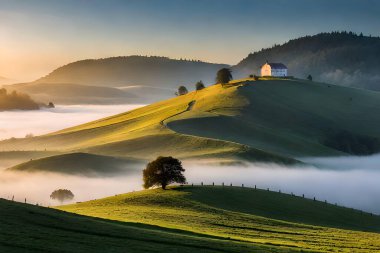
pixel 342 58
pixel 134 70
pixel 4 80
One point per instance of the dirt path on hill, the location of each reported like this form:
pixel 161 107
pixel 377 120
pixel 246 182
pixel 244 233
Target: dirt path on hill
pixel 188 108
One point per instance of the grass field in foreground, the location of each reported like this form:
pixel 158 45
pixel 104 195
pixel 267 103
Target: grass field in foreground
pixel 28 228
pixel 255 216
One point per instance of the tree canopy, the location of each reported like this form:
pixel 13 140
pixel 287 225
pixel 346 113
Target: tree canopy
pixel 162 172
pixel 62 195
pixel 182 90
pixel 223 76
pixel 199 85
pixel 15 100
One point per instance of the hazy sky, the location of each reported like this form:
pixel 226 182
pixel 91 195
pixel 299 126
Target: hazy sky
pixel 37 36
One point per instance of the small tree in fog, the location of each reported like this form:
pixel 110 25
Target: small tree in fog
pixel 310 78
pixel 163 171
pixel 62 195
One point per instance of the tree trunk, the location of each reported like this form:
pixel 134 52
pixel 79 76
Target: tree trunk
pixel 163 186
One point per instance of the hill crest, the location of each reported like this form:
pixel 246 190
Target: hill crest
pixel 342 58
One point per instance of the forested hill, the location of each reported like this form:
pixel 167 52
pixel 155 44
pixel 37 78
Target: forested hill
pixel 16 101
pixel 342 58
pixel 134 70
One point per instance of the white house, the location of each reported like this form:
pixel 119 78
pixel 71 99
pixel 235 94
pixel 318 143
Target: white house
pixel 274 69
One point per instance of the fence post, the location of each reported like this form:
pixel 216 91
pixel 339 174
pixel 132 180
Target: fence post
pixel 212 183
pixel 201 183
pixel 223 184
pixel 255 187
pixel 192 184
pixel 314 198
pixel 242 185
pixel 303 195
pixel 231 184
pixel 268 189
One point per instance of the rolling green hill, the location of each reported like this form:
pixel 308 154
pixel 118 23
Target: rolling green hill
pixel 265 120
pixel 244 214
pixel 29 228
pixel 81 164
pixel 143 134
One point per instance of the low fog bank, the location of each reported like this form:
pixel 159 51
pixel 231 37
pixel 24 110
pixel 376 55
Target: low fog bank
pixel 20 123
pixel 351 188
pixel 347 181
pixel 371 162
pixel 37 187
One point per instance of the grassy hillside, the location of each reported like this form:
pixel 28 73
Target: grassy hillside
pixel 142 133
pixel 289 117
pixel 28 228
pixel 244 214
pixel 265 120
pixel 81 164
pixel 340 58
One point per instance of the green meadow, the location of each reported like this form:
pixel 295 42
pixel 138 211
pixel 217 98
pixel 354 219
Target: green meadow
pixel 189 219
pixel 253 216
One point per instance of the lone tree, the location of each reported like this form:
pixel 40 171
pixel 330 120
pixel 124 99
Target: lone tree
pixel 62 195
pixel 199 85
pixel 310 78
pixel 182 90
pixel 223 76
pixel 163 171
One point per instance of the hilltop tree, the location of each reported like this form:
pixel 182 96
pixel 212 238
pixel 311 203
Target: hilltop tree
pixel 182 90
pixel 223 76
pixel 199 85
pixel 310 78
pixel 62 195
pixel 162 172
